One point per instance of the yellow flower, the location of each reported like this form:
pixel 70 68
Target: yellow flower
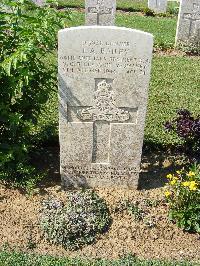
pixel 193 185
pixel 186 184
pixel 169 176
pixel 174 180
pixel 191 174
pixel 167 193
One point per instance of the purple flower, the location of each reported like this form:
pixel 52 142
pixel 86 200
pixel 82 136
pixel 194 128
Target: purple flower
pixel 168 126
pixel 184 113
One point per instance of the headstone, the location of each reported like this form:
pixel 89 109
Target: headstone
pixel 188 27
pixel 104 74
pixel 158 6
pixel 100 12
pixel 39 2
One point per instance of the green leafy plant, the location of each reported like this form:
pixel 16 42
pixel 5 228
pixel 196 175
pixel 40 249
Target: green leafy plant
pixel 190 47
pixel 183 196
pixel 27 36
pixel 173 8
pixel 134 209
pixel 148 12
pixel 77 222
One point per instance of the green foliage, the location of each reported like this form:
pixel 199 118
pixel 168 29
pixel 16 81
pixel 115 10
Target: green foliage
pixel 135 210
pixel 183 195
pixel 173 7
pixel 76 223
pixel 191 47
pixel 148 12
pixel 24 259
pixel 28 35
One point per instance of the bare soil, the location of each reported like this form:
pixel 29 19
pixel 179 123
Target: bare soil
pixel 154 236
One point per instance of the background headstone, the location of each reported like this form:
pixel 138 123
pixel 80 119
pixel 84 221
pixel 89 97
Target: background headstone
pixel 100 12
pixel 158 6
pixel 104 74
pixel 188 27
pixel 39 2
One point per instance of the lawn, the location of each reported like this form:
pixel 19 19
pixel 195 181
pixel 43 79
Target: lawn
pixel 24 259
pixel 163 28
pixel 126 5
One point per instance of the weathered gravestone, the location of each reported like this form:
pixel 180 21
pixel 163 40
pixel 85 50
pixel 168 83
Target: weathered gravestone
pixel 100 12
pixel 188 27
pixel 158 6
pixel 103 84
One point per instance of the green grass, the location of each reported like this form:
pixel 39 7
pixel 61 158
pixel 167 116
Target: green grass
pixel 126 5
pixel 135 5
pixel 23 259
pixel 71 3
pixel 174 84
pixel 163 29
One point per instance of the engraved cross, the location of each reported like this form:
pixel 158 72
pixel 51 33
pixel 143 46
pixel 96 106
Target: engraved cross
pixel 99 9
pixel 103 114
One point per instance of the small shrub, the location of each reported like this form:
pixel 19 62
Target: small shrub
pixel 187 127
pixel 173 10
pixel 191 47
pixel 148 12
pixel 135 210
pixel 183 196
pixel 139 210
pixel 77 222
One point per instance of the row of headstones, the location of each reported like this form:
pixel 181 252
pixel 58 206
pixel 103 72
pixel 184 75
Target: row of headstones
pixel 104 73
pixel 102 12
pixel 188 27
pixel 159 6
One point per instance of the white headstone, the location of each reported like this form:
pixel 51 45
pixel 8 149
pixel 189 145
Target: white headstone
pixel 158 6
pixel 188 27
pixel 100 12
pixel 104 74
